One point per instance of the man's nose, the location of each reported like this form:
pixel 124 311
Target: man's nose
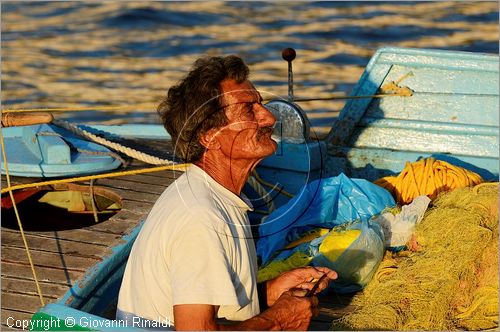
pixel 264 117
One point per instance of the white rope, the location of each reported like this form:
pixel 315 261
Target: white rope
pixel 261 191
pixel 149 159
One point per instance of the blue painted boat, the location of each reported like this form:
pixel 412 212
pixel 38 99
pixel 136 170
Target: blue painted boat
pixel 49 151
pixel 452 115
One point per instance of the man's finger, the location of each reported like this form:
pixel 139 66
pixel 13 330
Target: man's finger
pixel 323 285
pixel 332 275
pixel 310 273
pixel 310 285
pixel 306 285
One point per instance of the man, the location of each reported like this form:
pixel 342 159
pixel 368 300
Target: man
pixel 194 260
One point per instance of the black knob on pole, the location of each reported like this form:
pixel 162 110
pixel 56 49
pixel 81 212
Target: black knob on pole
pixel 289 54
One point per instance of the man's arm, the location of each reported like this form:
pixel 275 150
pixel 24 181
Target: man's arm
pixel 201 317
pixel 292 311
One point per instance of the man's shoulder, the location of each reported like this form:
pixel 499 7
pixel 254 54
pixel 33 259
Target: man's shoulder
pixel 186 199
pixel 186 188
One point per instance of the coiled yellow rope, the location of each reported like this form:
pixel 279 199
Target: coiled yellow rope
pixel 427 177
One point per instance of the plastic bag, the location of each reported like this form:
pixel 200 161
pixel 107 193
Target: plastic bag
pixel 354 251
pixel 324 203
pixel 359 262
pixel 399 228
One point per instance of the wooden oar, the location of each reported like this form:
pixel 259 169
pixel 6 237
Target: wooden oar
pixel 25 119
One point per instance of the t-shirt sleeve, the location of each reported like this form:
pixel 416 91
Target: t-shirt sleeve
pixel 200 271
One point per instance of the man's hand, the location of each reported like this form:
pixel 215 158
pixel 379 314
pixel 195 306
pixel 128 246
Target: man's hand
pixel 301 278
pixel 292 311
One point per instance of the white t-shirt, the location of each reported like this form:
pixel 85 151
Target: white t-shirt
pixel 195 247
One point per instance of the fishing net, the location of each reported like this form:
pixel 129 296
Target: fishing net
pixel 449 278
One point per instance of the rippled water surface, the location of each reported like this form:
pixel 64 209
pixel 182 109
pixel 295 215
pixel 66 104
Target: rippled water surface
pixel 73 54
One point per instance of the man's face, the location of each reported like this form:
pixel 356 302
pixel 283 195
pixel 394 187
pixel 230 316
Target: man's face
pixel 250 125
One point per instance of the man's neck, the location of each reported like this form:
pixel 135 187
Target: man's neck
pixel 230 173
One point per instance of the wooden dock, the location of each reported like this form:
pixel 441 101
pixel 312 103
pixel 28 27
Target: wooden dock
pixel 62 256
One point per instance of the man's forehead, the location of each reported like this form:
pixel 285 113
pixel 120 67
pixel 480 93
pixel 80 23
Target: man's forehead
pixel 244 91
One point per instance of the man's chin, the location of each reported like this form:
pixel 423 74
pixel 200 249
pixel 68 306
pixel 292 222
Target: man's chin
pixel 272 148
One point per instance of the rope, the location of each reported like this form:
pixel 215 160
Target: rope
pixel 178 167
pixel 92 201
pixel 427 177
pixel 25 242
pixel 261 191
pixel 115 146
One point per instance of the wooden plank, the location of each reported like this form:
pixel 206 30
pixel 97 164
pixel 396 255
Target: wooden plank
pixel 133 195
pixel 159 177
pixel 80 235
pixel 145 178
pixel 169 174
pixel 10 239
pixel 21 302
pixel 19 180
pixel 130 186
pixel 440 59
pixel 17 317
pixel 138 207
pixel 429 126
pixel 23 286
pixel 46 259
pixel 433 142
pixel 372 164
pixel 121 223
pixel 438 108
pixel 46 274
pixel 445 80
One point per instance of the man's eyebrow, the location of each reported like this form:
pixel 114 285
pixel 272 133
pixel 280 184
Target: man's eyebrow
pixel 242 102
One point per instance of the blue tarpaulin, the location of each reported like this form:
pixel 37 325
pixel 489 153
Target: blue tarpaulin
pixel 324 203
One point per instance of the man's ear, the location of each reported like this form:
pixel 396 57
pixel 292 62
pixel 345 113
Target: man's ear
pixel 209 139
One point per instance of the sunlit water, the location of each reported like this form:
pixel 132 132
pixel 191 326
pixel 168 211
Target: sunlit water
pixel 73 54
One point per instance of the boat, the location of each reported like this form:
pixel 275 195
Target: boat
pixel 44 150
pixel 437 103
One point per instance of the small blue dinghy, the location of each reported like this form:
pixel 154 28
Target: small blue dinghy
pixel 50 151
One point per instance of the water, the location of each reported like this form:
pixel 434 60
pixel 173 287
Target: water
pixel 74 54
